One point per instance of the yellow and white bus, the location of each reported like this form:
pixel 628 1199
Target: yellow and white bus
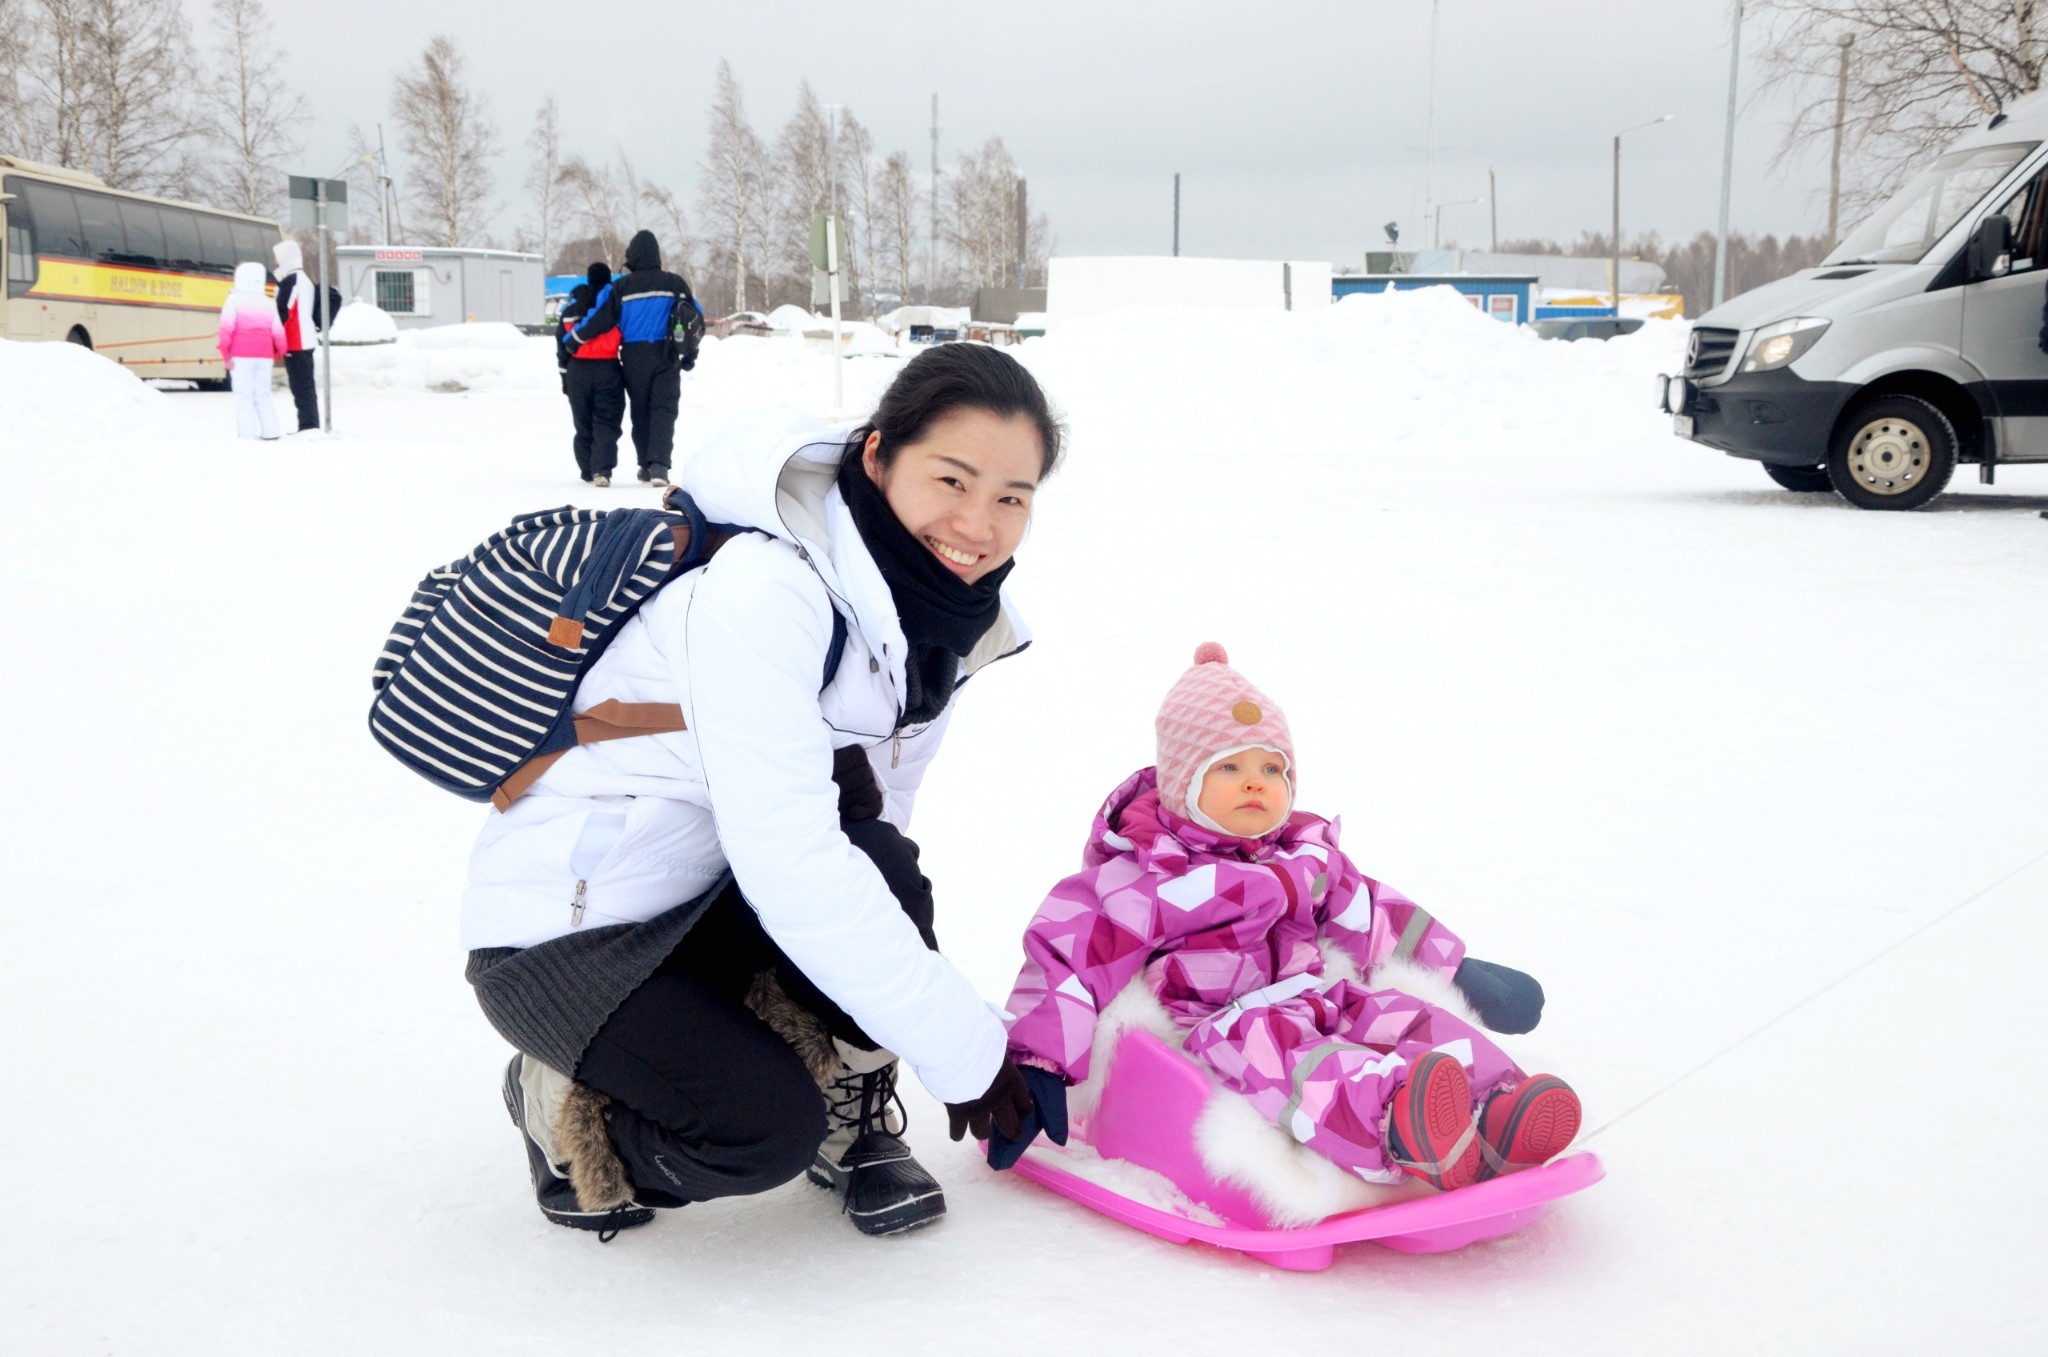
pixel 139 279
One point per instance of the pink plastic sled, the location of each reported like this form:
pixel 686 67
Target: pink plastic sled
pixel 1147 1117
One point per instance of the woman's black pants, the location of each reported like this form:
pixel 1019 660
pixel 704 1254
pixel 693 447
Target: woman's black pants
pixel 706 1100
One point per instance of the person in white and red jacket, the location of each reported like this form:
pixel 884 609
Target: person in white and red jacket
pixel 297 304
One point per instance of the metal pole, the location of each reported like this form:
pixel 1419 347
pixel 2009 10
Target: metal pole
pixel 1176 214
pixel 1429 137
pixel 1728 160
pixel 1493 210
pixel 832 276
pixel 1835 160
pixel 931 277
pixel 1023 228
pixel 320 304
pixel 384 185
pixel 1614 281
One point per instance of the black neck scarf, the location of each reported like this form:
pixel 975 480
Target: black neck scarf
pixel 942 615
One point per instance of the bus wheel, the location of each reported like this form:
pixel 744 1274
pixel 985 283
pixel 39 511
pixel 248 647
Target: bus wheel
pixel 79 337
pixel 1893 452
pixel 1804 479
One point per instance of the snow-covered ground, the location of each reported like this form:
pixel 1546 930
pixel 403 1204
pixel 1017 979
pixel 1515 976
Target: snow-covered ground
pixel 1687 747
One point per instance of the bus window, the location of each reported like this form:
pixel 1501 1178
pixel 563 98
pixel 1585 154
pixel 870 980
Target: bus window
pixel 99 221
pixel 145 233
pixel 21 250
pixel 181 238
pixel 55 218
pixel 216 245
pixel 253 242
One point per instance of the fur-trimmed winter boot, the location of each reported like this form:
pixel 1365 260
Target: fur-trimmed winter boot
pixel 577 1177
pixel 864 1159
pixel 881 1187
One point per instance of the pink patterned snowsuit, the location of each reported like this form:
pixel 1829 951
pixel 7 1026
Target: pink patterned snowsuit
pixel 1226 932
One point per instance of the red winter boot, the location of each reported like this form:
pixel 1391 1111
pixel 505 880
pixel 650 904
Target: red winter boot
pixel 1527 1125
pixel 1430 1131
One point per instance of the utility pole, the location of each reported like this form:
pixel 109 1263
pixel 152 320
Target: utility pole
pixel 1023 230
pixel 931 277
pixel 384 184
pixel 1493 210
pixel 1835 160
pixel 1429 139
pixel 1176 214
pixel 1728 160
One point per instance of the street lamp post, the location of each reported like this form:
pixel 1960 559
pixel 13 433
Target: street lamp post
pixel 1615 280
pixel 1436 230
pixel 1728 158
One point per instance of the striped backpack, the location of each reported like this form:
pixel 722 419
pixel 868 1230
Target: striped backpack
pixel 476 686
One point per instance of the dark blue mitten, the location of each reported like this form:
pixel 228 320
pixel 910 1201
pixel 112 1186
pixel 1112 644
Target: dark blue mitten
pixel 1048 1114
pixel 1505 999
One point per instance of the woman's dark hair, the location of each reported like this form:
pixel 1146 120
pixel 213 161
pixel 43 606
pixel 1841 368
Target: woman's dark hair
pixel 949 377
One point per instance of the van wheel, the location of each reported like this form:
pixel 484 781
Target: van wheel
pixel 1804 479
pixel 79 337
pixel 1892 452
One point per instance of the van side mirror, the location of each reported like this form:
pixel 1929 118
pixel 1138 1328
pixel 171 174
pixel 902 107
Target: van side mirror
pixel 1991 248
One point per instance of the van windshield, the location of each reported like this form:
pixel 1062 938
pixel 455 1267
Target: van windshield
pixel 1938 197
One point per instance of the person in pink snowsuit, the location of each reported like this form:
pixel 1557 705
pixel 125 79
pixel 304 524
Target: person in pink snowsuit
pixel 251 339
pixel 1201 877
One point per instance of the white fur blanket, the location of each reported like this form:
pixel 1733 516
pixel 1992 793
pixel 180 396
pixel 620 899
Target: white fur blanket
pixel 1292 1183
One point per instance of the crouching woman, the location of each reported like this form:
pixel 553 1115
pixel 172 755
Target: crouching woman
pixel 711 946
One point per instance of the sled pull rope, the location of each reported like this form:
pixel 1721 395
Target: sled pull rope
pixel 1854 971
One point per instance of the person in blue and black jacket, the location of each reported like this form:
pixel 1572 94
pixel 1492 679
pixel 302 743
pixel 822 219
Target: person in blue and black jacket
pixel 648 306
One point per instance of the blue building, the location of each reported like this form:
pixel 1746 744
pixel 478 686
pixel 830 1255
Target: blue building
pixel 1508 297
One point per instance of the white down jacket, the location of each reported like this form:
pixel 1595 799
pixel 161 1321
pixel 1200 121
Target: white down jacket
pixel 622 831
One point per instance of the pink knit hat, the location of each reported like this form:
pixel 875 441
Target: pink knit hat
pixel 1211 712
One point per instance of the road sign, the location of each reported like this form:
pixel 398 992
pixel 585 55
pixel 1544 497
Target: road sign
pixel 820 259
pixel 306 193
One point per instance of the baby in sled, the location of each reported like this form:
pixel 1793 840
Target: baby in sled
pixel 1270 952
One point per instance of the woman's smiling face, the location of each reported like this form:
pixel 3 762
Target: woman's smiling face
pixel 964 488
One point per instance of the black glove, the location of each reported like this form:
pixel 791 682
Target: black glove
pixel 1505 999
pixel 1020 1103
pixel 689 361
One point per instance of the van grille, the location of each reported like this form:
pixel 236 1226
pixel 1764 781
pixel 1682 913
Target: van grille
pixel 1708 351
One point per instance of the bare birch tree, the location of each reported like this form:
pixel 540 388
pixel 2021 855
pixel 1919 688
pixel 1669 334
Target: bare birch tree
pixel 804 171
pixel 448 134
pixel 899 209
pixel 981 203
pixel 856 171
pixel 604 201
pixel 17 127
pixel 254 111
pixel 731 183
pixel 1921 71
pixel 671 227
pixel 544 174
pixel 106 89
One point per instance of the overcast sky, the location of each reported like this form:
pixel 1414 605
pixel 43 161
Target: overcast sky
pixel 1298 128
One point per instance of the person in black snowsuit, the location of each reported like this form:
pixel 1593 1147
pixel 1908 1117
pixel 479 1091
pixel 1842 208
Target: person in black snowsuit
pixel 647 307
pixel 592 381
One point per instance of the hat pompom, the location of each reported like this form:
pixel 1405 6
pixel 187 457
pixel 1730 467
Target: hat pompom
pixel 1210 653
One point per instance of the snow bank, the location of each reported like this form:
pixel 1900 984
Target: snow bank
pixel 1419 372
pixel 68 394
pixel 363 323
pixel 450 359
pixel 792 319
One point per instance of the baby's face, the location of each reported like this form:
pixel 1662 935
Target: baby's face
pixel 1247 793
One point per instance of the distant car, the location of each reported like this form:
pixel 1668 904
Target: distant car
pixel 741 323
pixel 1585 327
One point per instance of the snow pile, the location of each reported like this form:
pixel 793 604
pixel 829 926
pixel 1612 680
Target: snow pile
pixel 791 319
pixel 1414 372
pixel 450 359
pixel 67 394
pixel 363 322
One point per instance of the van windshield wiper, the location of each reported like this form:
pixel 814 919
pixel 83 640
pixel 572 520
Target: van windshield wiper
pixel 1844 263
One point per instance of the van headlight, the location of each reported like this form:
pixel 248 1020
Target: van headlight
pixel 1781 342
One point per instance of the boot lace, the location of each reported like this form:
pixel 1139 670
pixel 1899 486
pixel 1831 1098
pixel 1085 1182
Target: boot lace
pixel 862 1101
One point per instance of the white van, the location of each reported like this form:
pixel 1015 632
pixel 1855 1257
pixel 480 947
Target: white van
pixel 1917 345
